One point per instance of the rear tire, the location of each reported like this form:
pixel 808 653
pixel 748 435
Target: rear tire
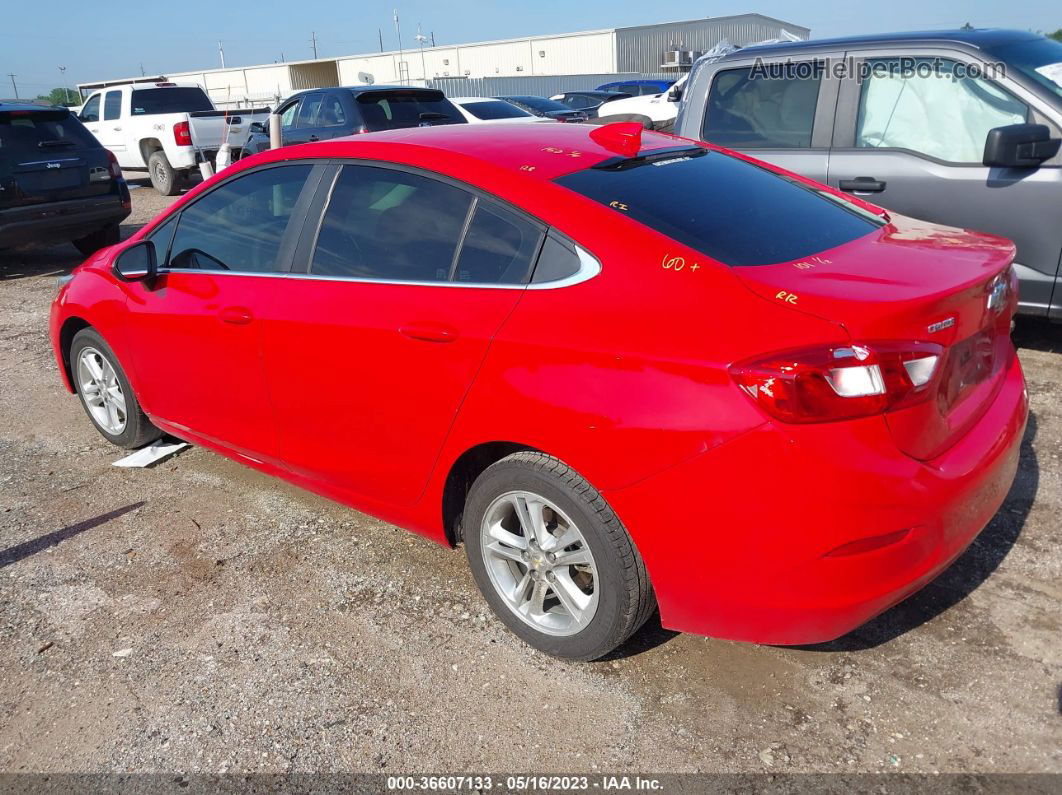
pixel 573 585
pixel 163 176
pixel 101 238
pixel 105 393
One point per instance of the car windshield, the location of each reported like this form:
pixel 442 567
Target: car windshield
pixel 385 110
pixel 733 211
pixel 1039 59
pixel 24 131
pixel 153 101
pixel 541 103
pixel 490 109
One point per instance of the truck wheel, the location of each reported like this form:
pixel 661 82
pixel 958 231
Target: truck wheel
pixel 101 238
pixel 163 177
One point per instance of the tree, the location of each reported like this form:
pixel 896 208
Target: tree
pixel 1057 35
pixel 61 96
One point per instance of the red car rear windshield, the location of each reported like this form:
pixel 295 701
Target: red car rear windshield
pixel 732 211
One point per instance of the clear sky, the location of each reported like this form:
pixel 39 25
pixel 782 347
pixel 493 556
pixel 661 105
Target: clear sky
pixel 98 39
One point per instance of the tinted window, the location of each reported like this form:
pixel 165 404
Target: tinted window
pixel 112 105
pixel 150 101
pixel 1039 59
pixel 541 104
pixel 557 260
pixel 498 248
pixel 495 109
pixel 287 114
pixel 579 102
pixel 311 103
pixel 41 131
pixel 749 110
pixel 162 235
pixel 390 225
pixel 733 211
pixel 932 112
pixel 239 226
pixel 91 109
pixel 332 113
pixel 384 110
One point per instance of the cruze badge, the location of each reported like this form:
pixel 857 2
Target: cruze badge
pixel 940 325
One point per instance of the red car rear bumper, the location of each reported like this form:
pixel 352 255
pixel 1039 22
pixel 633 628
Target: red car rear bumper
pixel 754 540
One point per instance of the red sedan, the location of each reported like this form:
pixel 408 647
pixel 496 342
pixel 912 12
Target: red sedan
pixel 624 369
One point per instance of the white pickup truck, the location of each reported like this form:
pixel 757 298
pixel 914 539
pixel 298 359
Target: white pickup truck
pixel 166 129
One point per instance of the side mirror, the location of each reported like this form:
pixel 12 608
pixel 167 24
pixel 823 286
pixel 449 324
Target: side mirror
pixel 674 94
pixel 1020 146
pixel 137 263
pixel 257 127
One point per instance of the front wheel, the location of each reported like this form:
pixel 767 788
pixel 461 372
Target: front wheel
pixel 105 393
pixel 553 561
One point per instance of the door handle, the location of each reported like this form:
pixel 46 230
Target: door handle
pixel 237 315
pixel 314 138
pixel 117 129
pixel 862 185
pixel 429 332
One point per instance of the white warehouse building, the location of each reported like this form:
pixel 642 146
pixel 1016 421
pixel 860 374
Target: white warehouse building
pixel 661 49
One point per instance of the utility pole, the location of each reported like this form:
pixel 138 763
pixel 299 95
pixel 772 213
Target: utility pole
pixel 142 73
pixel 313 42
pixel 433 38
pixel 421 38
pixel 221 52
pixel 398 31
pixel 379 32
pixel 12 76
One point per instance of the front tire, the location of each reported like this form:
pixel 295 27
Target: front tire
pixel 163 176
pixel 553 561
pixel 105 393
pixel 101 238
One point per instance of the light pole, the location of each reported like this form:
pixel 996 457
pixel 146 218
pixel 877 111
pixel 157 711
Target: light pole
pixel 66 91
pixel 398 32
pixel 422 38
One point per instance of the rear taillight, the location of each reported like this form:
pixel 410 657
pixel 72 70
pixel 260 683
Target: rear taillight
pixel 840 382
pixel 116 170
pixel 182 134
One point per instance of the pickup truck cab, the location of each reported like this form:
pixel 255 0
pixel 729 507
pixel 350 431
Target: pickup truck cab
pixel 166 129
pixel 954 127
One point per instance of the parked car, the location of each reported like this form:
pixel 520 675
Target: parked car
pixel 456 307
pixel 955 127
pixel 164 128
pixel 56 182
pixel 588 101
pixel 546 108
pixel 324 113
pixel 655 111
pixel 638 88
pixel 478 110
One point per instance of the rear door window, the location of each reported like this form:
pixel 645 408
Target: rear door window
pixel 308 112
pixel 499 247
pixel 749 109
pixel 732 211
pixel 239 225
pixel 390 225
pixel 112 105
pixel 385 110
pixel 178 99
pixel 332 113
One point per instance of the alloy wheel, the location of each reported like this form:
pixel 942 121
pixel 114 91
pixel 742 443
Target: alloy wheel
pixel 101 391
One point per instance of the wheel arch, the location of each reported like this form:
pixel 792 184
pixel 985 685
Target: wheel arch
pixel 71 326
pixel 463 473
pixel 148 146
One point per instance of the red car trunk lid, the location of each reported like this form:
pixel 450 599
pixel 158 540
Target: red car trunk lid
pixel 918 282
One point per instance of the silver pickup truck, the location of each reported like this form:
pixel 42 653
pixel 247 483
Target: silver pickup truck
pixel 955 127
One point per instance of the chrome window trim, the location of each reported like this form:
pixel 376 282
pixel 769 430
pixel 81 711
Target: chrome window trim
pixel 589 267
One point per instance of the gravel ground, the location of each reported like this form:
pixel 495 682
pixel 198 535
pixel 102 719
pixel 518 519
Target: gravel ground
pixel 201 617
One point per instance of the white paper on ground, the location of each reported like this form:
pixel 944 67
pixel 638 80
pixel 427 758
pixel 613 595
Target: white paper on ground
pixel 152 454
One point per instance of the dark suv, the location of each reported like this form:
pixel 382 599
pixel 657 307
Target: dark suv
pixel 323 113
pixel 57 182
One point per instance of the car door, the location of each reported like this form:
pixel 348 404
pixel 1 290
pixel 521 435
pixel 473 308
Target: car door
pixel 776 109
pixel 334 117
pixel 288 114
pixel 197 346
pixel 90 115
pixel 305 128
pixel 110 132
pixel 911 137
pixel 369 354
